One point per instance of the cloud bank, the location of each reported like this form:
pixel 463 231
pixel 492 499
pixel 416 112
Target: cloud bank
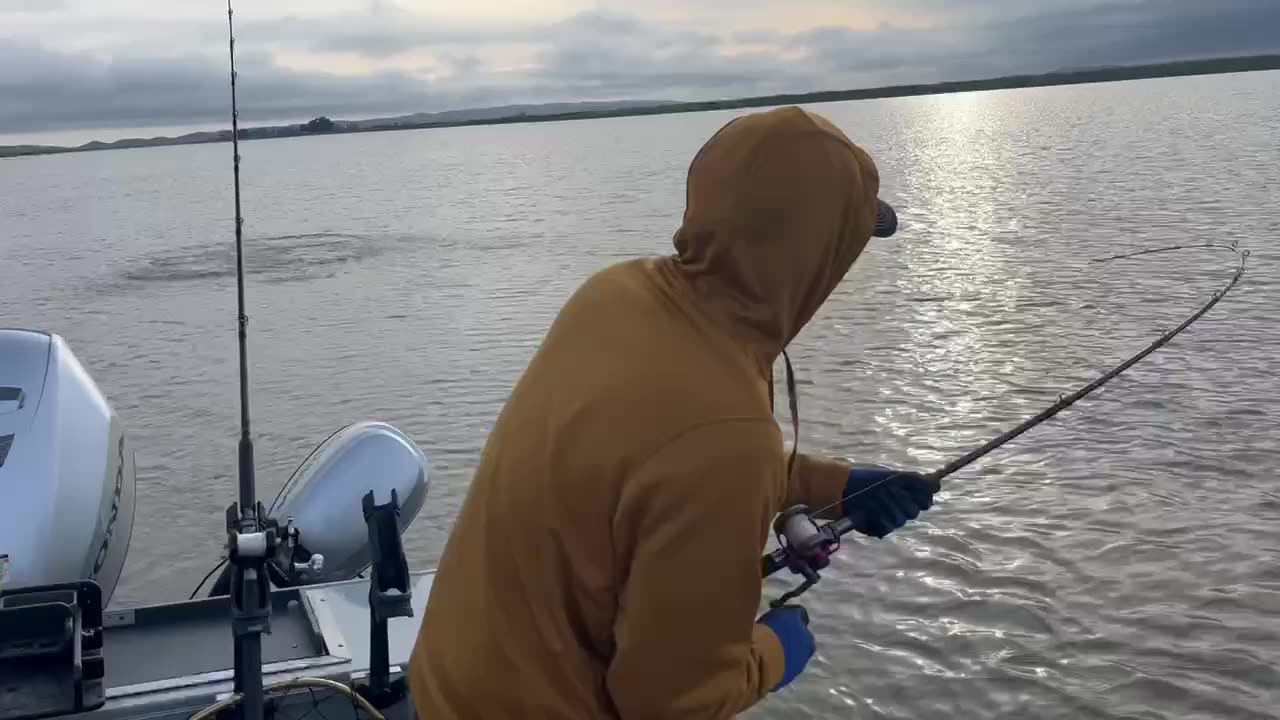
pixel 63 66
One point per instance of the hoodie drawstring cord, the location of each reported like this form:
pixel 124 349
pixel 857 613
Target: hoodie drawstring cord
pixel 795 413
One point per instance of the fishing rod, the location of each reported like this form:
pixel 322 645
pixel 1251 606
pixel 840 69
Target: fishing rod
pixel 250 539
pixel 805 547
pixel 247 490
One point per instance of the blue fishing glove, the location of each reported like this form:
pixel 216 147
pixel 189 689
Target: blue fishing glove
pixel 791 624
pixel 880 500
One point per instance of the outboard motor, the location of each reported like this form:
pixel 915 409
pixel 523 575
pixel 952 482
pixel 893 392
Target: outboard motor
pixel 66 469
pixel 319 511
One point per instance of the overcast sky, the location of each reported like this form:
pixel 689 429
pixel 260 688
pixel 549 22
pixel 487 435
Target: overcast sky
pixel 139 63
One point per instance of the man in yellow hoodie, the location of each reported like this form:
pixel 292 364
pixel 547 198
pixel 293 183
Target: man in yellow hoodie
pixel 606 560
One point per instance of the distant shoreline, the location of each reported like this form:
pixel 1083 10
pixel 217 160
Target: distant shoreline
pixel 1183 68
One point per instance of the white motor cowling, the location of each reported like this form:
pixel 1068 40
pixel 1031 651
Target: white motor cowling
pixel 324 496
pixel 66 468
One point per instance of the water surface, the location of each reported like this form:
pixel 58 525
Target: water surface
pixel 1120 561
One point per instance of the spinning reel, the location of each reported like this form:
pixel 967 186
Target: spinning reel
pixel 805 547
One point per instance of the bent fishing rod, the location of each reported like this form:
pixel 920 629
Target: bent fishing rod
pixel 805 547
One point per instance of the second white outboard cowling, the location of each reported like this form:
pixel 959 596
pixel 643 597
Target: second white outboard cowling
pixel 324 496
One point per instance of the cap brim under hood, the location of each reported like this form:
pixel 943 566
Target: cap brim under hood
pixel 886 220
pixel 779 205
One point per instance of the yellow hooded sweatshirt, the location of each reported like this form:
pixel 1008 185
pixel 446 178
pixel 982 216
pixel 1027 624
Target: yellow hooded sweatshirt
pixel 606 559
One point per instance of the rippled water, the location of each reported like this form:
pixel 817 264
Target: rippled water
pixel 1121 561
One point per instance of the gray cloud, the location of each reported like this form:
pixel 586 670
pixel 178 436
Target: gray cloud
pixel 56 90
pixel 32 6
pixel 1136 31
pixel 1081 35
pixel 606 52
pixel 382 30
pixel 596 55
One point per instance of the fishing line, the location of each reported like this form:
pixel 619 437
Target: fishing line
pixel 208 575
pixel 1066 401
pixel 293 476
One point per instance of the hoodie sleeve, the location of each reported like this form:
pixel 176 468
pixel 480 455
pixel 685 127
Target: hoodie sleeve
pixel 689 529
pixel 817 482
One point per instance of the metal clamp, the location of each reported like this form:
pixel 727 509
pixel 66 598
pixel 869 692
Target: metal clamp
pixel 313 566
